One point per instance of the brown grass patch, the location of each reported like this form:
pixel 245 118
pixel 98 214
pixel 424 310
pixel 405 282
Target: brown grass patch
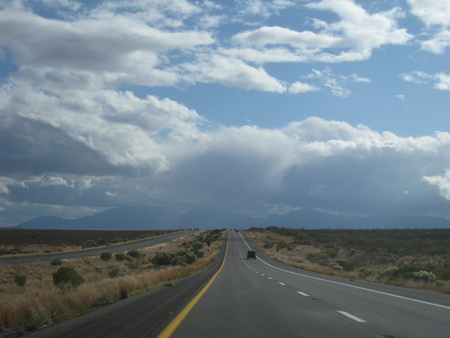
pixel 322 258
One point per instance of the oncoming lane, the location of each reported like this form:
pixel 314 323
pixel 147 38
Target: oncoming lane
pixel 94 252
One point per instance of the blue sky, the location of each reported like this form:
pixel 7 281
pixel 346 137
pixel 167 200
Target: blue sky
pixel 255 107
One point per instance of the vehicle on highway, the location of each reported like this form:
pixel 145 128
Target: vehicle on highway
pixel 251 254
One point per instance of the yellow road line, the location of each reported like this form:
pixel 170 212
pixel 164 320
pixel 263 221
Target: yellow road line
pixel 170 329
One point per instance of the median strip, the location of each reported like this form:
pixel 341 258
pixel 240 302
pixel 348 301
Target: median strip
pixel 170 329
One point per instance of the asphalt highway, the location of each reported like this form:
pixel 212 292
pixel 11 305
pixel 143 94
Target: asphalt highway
pixel 263 298
pixel 94 252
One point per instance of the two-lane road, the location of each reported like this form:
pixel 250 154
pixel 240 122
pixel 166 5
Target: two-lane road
pixel 263 298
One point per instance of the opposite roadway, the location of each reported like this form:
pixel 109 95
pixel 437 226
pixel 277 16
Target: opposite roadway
pixel 264 298
pixel 95 252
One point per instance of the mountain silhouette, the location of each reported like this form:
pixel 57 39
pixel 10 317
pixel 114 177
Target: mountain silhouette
pixel 162 218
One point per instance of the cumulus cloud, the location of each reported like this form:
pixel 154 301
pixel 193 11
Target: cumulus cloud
pixel 431 12
pixel 233 72
pixel 300 87
pixel 357 34
pixel 441 182
pixel 436 15
pixel 314 163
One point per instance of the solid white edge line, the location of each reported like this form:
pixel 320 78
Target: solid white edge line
pixel 352 286
pixel 356 319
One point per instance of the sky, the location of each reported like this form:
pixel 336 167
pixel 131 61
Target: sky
pixel 250 106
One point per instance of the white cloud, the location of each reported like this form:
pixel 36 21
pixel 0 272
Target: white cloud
pixel 116 44
pixel 401 97
pixel 232 72
pixel 442 80
pixel 55 180
pixel 335 82
pixel 431 12
pixel 3 188
pixel 300 87
pixel 434 13
pixel 438 43
pixel 357 34
pixel 262 8
pixel 442 183
pixel 329 165
pixel 110 194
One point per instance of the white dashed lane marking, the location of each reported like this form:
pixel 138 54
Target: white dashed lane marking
pixel 303 294
pixel 281 283
pixel 356 319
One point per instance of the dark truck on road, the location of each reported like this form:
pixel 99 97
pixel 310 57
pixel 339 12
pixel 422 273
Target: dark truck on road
pixel 251 254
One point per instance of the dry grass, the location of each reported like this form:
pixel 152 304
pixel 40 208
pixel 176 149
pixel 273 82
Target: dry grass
pixel 297 256
pixel 41 303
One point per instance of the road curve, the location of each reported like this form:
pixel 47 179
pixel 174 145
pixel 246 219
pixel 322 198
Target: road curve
pixel 94 252
pixel 264 298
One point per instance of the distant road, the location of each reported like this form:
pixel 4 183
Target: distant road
pixel 94 252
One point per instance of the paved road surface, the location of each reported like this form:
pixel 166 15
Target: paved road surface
pixel 263 298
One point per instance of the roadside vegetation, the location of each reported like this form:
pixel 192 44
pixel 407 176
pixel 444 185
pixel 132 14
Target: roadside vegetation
pixel 37 242
pixel 39 294
pixel 408 257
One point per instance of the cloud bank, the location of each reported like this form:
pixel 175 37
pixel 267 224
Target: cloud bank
pixel 73 140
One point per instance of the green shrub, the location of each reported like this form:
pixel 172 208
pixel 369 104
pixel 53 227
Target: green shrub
pixel 445 275
pixel 134 254
pixel 162 258
pixel 179 260
pixel 197 245
pixel 312 257
pixel 113 272
pixel 348 266
pixel 133 264
pixel 364 272
pixel 14 251
pixel 67 275
pixel 56 262
pixel 90 244
pixel 20 280
pixel 330 252
pixel 190 256
pixel 106 256
pixel 268 245
pixel 424 276
pixel 335 266
pixel 281 245
pixel 120 256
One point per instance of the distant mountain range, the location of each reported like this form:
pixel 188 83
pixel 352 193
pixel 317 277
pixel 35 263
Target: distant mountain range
pixel 160 218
